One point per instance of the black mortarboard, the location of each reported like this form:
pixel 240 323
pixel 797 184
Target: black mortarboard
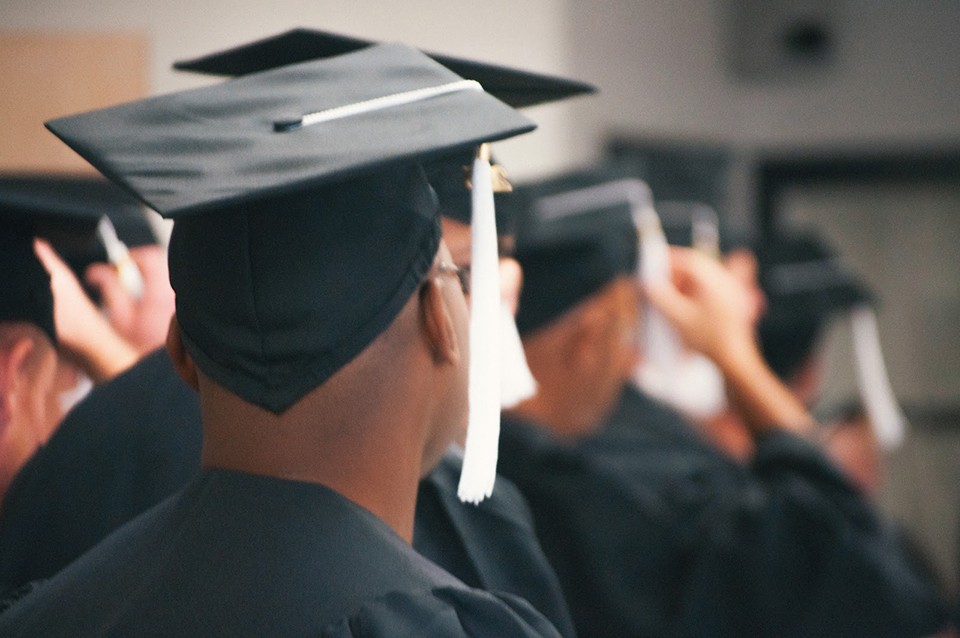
pixel 447 175
pixel 304 220
pixel 24 283
pixel 806 285
pixel 575 234
pixel 558 276
pixel 450 178
pixel 571 206
pixel 694 224
pixel 68 211
pixel 514 87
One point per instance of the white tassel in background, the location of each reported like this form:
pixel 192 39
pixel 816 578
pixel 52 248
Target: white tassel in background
pixel 658 369
pixel 516 381
pixel 119 257
pixel 483 425
pixel 886 417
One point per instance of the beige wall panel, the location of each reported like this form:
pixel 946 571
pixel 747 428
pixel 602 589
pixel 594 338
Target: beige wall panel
pixel 46 75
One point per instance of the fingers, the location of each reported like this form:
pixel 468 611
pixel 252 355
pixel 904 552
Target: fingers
pixel 671 302
pixel 119 303
pixel 50 259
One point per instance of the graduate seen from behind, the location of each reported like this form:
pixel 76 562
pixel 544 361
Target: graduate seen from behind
pixel 29 406
pixel 150 419
pixel 653 531
pixel 321 321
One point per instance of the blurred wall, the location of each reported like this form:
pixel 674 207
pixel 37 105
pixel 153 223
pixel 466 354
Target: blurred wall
pixel 661 65
pixel 531 34
pixel 891 78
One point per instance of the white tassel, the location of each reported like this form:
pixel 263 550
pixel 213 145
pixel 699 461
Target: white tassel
pixel 658 369
pixel 119 258
pixel 483 425
pixel 517 382
pixel 886 417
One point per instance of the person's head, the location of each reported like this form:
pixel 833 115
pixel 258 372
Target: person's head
pixel 293 309
pixel 28 373
pixel 29 409
pixel 304 228
pixel 578 318
pixel 806 287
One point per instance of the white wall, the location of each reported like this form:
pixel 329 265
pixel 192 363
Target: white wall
pixel 529 34
pixel 659 64
pixel 662 69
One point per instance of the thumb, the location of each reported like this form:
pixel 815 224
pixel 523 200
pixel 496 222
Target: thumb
pixel 118 302
pixel 671 302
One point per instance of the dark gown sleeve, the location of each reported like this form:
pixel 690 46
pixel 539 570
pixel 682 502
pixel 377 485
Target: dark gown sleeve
pixel 786 547
pixel 794 547
pixel 615 567
pixel 490 546
pixel 441 613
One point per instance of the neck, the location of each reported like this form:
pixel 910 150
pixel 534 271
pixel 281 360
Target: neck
pixel 367 448
pixel 15 451
pixel 550 415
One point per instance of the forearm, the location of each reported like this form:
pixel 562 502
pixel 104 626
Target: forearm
pixel 103 354
pixel 762 400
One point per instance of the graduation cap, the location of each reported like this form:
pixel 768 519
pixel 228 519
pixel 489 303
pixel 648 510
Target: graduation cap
pixel 513 86
pixel 85 219
pixel 697 225
pixel 304 220
pixel 574 236
pixel 807 285
pixel 448 175
pixel 685 380
pixel 24 283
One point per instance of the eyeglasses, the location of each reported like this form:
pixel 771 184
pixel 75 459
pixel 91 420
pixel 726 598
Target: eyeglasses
pixel 462 273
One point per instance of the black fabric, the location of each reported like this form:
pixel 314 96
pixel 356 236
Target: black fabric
pixel 136 439
pixel 491 545
pixel 654 533
pixel 236 554
pixel 25 294
pixel 516 88
pixel 806 286
pixel 131 443
pixel 558 276
pixel 66 210
pixel 442 612
pixel 271 302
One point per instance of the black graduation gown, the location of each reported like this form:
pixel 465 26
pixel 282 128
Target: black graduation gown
pixel 490 546
pixel 136 440
pixel 130 444
pixel 237 554
pixel 652 532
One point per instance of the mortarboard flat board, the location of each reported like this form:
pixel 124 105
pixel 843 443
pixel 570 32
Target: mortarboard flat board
pixel 252 138
pixel 575 234
pixel 518 88
pixel 70 212
pixel 806 285
pixel 513 86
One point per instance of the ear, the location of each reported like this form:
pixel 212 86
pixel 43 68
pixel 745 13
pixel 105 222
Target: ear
pixel 11 377
pixel 438 325
pixel 182 361
pixel 588 339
